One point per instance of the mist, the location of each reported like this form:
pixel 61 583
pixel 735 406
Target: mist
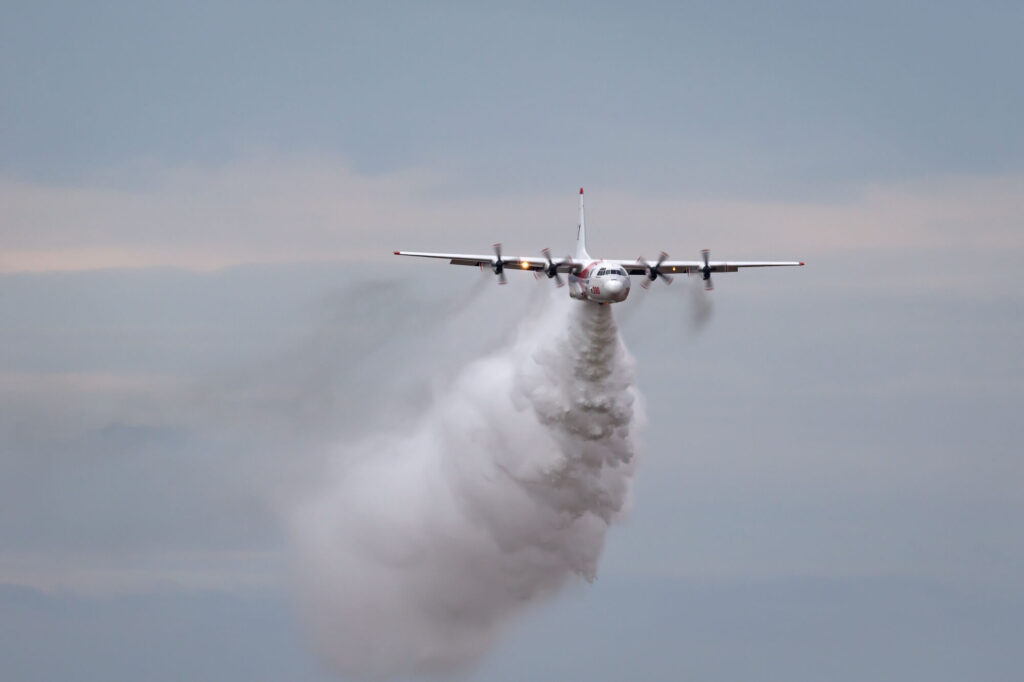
pixel 428 536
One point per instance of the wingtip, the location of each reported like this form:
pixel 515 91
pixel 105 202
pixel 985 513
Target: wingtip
pixel 581 190
pixel 801 262
pixel 398 254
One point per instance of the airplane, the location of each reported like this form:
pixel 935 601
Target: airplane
pixel 600 281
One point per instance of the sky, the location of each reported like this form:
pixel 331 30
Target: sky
pixel 198 305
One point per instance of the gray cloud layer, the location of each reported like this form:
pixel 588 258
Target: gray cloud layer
pixel 832 485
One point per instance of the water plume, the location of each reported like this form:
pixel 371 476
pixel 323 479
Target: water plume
pixel 425 540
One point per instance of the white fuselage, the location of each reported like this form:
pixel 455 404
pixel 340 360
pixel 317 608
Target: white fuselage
pixel 600 282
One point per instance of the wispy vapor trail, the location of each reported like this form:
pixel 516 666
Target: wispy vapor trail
pixel 423 544
pixel 700 303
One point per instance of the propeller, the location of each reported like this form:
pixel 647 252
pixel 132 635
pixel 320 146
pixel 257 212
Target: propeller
pixel 653 272
pixel 551 269
pixel 498 265
pixel 706 270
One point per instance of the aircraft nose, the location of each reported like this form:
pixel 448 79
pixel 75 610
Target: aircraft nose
pixel 613 287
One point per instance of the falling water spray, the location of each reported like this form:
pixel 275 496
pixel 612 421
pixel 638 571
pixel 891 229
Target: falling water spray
pixel 425 541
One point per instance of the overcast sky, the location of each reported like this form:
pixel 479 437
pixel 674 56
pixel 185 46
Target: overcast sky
pixel 198 303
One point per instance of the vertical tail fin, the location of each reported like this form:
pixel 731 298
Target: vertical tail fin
pixel 581 254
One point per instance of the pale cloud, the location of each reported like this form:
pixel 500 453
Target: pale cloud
pixel 976 212
pixel 314 209
pixel 65 405
pixel 28 384
pixel 135 572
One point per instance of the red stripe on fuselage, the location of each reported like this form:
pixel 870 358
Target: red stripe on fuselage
pixel 585 272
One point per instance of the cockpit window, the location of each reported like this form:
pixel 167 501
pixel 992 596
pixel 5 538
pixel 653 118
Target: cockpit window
pixel 600 272
pixel 620 271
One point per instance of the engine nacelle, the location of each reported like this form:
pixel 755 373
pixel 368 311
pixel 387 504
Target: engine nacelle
pixel 577 287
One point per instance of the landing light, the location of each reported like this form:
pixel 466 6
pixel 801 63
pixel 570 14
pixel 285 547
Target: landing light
pixel 524 264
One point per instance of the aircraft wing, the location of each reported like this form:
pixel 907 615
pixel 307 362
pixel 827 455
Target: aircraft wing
pixel 697 267
pixel 632 267
pixel 487 260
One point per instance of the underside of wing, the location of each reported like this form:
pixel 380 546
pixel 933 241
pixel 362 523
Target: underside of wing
pixel 697 267
pixel 508 262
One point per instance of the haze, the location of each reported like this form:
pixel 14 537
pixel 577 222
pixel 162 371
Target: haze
pixel 199 305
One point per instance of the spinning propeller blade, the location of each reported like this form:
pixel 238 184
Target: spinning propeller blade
pixel 551 270
pixel 498 266
pixel 653 272
pixel 706 270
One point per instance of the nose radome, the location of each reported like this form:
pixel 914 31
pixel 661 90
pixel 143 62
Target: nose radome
pixel 613 287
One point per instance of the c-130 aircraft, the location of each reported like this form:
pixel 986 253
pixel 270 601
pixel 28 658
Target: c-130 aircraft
pixel 601 281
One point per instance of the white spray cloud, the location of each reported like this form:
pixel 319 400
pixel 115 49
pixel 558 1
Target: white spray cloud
pixel 422 545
